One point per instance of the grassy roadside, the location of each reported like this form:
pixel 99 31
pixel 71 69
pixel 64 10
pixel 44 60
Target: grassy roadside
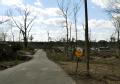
pixel 8 64
pixel 103 71
pixel 56 56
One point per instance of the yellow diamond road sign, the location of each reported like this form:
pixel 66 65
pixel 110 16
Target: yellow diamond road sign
pixel 78 52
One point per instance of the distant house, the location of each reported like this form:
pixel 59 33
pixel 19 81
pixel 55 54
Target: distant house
pixel 103 49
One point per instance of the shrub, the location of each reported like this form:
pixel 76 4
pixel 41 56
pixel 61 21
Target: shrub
pixel 16 47
pixel 6 53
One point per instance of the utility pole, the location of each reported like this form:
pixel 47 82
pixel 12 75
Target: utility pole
pixel 86 36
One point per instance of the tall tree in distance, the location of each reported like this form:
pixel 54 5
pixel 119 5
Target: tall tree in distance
pixel 11 28
pixel 25 24
pixel 70 31
pixel 31 38
pixel 114 11
pixel 116 22
pixel 65 9
pixel 3 34
pixel 76 8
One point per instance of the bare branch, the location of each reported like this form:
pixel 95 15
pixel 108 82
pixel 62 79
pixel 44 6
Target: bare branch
pixel 30 30
pixel 31 21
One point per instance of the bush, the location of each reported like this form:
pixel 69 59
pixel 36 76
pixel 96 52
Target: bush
pixel 30 48
pixel 6 53
pixel 56 55
pixel 16 47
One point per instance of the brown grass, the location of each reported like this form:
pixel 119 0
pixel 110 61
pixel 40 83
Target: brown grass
pixel 102 70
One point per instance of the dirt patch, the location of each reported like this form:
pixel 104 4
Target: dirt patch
pixel 99 73
pixel 102 70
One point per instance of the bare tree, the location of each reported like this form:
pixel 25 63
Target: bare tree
pixel 70 31
pixel 31 38
pixel 76 9
pixel 25 25
pixel 3 33
pixel 114 11
pixel 3 36
pixel 64 6
pixel 48 36
pixel 116 22
pixel 11 28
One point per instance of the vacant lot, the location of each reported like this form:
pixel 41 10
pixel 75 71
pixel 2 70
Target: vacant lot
pixel 102 70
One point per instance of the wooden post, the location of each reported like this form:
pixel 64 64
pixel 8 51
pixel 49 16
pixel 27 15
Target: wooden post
pixel 86 37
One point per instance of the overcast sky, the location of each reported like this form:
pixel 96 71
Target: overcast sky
pixel 48 19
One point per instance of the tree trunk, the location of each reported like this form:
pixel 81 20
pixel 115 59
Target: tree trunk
pixel 76 29
pixel 25 33
pixel 25 42
pixel 118 45
pixel 67 45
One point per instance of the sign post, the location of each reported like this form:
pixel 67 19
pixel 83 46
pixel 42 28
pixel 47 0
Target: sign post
pixel 78 53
